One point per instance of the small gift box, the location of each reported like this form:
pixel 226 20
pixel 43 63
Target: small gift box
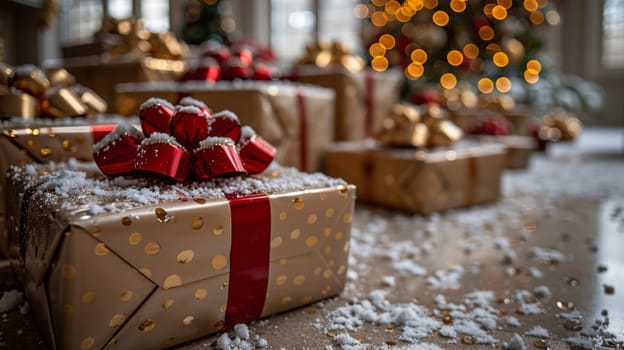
pixel 423 170
pixel 363 97
pixel 296 118
pixel 27 92
pixel 181 260
pixel 41 141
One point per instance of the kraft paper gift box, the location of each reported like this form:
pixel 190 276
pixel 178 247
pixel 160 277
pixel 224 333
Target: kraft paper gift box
pixel 40 141
pixel 102 73
pixel 295 118
pixel 143 265
pixel 363 98
pixel 519 149
pixel 420 180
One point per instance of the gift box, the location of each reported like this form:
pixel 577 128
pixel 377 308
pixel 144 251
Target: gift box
pixel 25 142
pixel 420 180
pixel 103 73
pixel 295 118
pixel 363 98
pixel 519 149
pixel 137 263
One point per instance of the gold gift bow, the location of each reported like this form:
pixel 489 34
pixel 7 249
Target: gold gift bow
pixel 324 54
pixel 29 93
pixel 129 36
pixel 559 125
pixel 409 126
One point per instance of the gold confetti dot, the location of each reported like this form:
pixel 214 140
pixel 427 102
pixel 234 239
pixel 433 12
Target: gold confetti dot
pixel 68 309
pixel 185 256
pixel 318 270
pixel 224 285
pixel 312 218
pixel 219 262
pixel 276 242
pixel 116 321
pixel 281 280
pixel 323 196
pixel 172 281
pixel 217 230
pixel 96 231
pixel 12 133
pixel 298 203
pixel 161 214
pixel 294 234
pixel 339 236
pixel 69 271
pixel 188 320
pixel 199 200
pixel 87 343
pixel 341 270
pixel 45 151
pixel 327 273
pixel 145 271
pixel 126 221
pixel 88 298
pixel 127 295
pixel 197 223
pixel 342 190
pixel 36 132
pixel 67 144
pixel 346 218
pixel 327 250
pixel 327 231
pixel 311 241
pixel 201 293
pixel 100 249
pixel 168 303
pixel 30 143
pixel 152 248
pixel 134 238
pixel 222 308
pixel 286 300
pixel 329 212
pixel 283 216
pixel 147 325
pixel 299 280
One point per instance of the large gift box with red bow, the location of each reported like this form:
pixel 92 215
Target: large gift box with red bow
pixel 296 118
pixel 183 257
pixel 420 164
pixel 39 141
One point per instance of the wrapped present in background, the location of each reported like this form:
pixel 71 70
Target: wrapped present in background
pixel 129 53
pixel 418 166
pixel 27 92
pixel 40 142
pixel 243 248
pixel 557 125
pixel 296 118
pixel 363 97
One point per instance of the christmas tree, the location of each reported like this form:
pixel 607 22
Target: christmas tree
pixel 491 47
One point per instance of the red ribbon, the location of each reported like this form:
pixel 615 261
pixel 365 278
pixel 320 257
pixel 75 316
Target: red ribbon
pixel 183 142
pixel 99 131
pixel 249 258
pixel 303 131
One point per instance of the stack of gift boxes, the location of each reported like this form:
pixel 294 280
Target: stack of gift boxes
pixel 194 213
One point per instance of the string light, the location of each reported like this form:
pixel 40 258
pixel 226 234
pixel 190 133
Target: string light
pixel 430 4
pixel 414 70
pixel 486 33
pixel 471 51
pixel 458 6
pixel 505 3
pixel 392 7
pixel 419 56
pixel 500 59
pixel 503 84
pixel 377 49
pixel 530 77
pixel 454 57
pixel 485 85
pixel 448 81
pixel 379 18
pixel 379 63
pixel 530 5
pixel 534 65
pixel 499 12
pixel 440 18
pixel 387 41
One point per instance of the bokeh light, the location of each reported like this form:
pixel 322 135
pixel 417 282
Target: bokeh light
pixel 486 33
pixel 471 51
pixel 530 77
pixel 414 70
pixel 505 3
pixel 440 18
pixel 419 56
pixel 377 49
pixel 448 80
pixel 387 41
pixel 360 11
pixel 485 85
pixel 499 12
pixel 458 6
pixel 379 63
pixel 379 18
pixel 454 57
pixel 534 65
pixel 536 17
pixel 392 7
pixel 503 84
pixel 430 4
pixel 500 59
pixel 530 5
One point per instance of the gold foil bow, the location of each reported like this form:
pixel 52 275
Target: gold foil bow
pixel 324 54
pixel 29 93
pixel 425 126
pixel 559 125
pixel 459 98
pixel 129 36
pixel 500 102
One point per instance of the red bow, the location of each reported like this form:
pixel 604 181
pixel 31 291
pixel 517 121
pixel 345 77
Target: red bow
pixel 183 142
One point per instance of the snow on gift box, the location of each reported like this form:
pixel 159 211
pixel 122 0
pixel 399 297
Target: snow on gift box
pixel 181 259
pixel 417 164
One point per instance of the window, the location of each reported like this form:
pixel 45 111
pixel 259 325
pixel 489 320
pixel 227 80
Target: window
pixel 613 34
pixel 295 23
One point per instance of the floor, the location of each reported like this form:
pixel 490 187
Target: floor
pixel 541 269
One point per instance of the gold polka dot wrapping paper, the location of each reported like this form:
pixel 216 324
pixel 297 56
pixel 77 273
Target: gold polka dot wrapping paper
pixel 159 275
pixel 420 180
